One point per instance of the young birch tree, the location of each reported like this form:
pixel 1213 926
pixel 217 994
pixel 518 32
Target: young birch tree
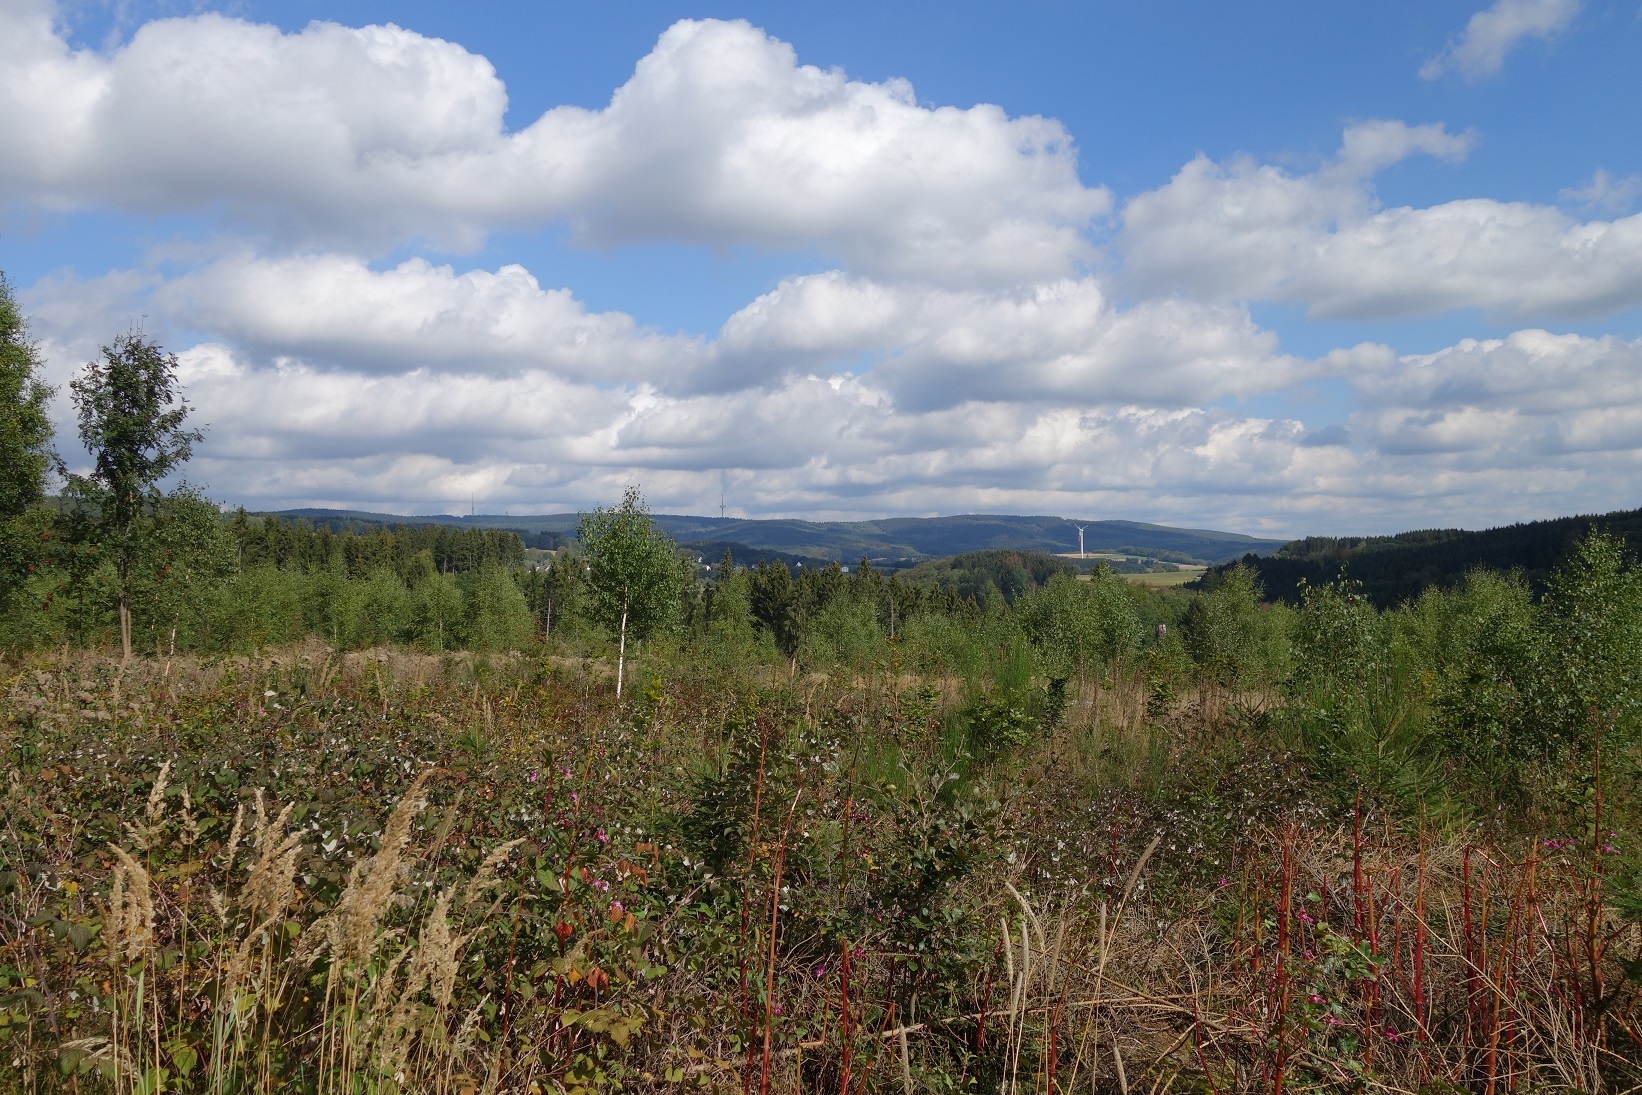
pixel 131 421
pixel 635 573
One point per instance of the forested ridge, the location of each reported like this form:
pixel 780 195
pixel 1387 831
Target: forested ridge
pixel 1393 569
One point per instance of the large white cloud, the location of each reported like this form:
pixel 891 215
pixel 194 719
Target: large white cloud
pixel 1245 231
pixel 378 133
pixel 1516 402
pixel 1484 431
pixel 812 444
pixel 336 309
pixel 928 347
pixel 1060 341
pixel 1495 31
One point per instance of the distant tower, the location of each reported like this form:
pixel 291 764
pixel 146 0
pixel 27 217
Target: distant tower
pixel 1080 529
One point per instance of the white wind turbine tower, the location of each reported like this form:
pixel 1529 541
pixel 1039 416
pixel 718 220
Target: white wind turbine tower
pixel 1080 529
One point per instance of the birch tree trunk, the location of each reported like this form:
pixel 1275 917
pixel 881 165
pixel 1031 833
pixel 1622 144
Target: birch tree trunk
pixel 621 648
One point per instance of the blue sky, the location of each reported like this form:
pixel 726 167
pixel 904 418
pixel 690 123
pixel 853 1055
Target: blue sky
pixel 1280 267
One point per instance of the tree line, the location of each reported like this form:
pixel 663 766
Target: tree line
pixel 270 540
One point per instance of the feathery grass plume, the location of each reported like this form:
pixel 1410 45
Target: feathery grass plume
pixel 219 898
pixel 350 932
pixel 433 965
pixel 271 886
pixel 440 950
pixel 128 927
pixel 468 1028
pixel 143 833
pixel 485 877
pixel 269 889
pixel 387 1023
pixel 188 833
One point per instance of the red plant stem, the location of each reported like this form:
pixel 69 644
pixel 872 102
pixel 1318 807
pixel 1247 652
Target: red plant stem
pixel 845 1033
pixel 1372 1003
pixel 746 906
pixel 1594 946
pixel 775 913
pixel 1280 973
pixel 1421 1016
pixel 1469 944
pixel 1357 870
pixel 1197 1043
pixel 986 998
pixel 1054 1037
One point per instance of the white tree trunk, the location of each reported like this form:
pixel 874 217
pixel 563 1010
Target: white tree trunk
pixel 125 627
pixel 621 649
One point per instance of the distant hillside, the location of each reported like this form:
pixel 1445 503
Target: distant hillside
pixel 361 522
pixel 712 552
pixel 1395 568
pixel 897 541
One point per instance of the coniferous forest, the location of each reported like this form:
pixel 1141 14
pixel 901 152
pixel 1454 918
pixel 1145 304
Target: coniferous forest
pixel 418 809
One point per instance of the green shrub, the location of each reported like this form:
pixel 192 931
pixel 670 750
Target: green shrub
pixel 1236 641
pixel 499 618
pixel 1081 626
pixel 844 634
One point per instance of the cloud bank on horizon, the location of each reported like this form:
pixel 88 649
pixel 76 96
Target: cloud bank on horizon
pixel 966 324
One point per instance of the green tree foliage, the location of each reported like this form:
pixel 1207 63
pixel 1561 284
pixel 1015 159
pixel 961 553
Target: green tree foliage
pixel 1235 641
pixel 843 633
pixel 775 605
pixel 362 551
pixel 557 592
pixel 1594 641
pixel 635 574
pixel 1482 648
pixel 131 421
pixel 978 574
pixel 729 608
pixel 1354 696
pixel 438 611
pixel 1395 569
pixel 26 456
pixel 499 616
pixel 1077 626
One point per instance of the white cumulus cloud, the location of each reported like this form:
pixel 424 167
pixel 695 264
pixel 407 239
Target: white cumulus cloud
pixel 1246 231
pixel 1605 192
pixel 1495 31
pixel 379 134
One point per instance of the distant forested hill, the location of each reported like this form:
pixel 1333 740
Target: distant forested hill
pixel 1395 568
pixel 894 541
pixel 712 552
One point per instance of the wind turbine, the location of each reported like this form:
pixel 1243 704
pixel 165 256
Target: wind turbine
pixel 1080 529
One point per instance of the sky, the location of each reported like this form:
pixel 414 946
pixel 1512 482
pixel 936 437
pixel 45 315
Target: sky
pixel 1283 268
